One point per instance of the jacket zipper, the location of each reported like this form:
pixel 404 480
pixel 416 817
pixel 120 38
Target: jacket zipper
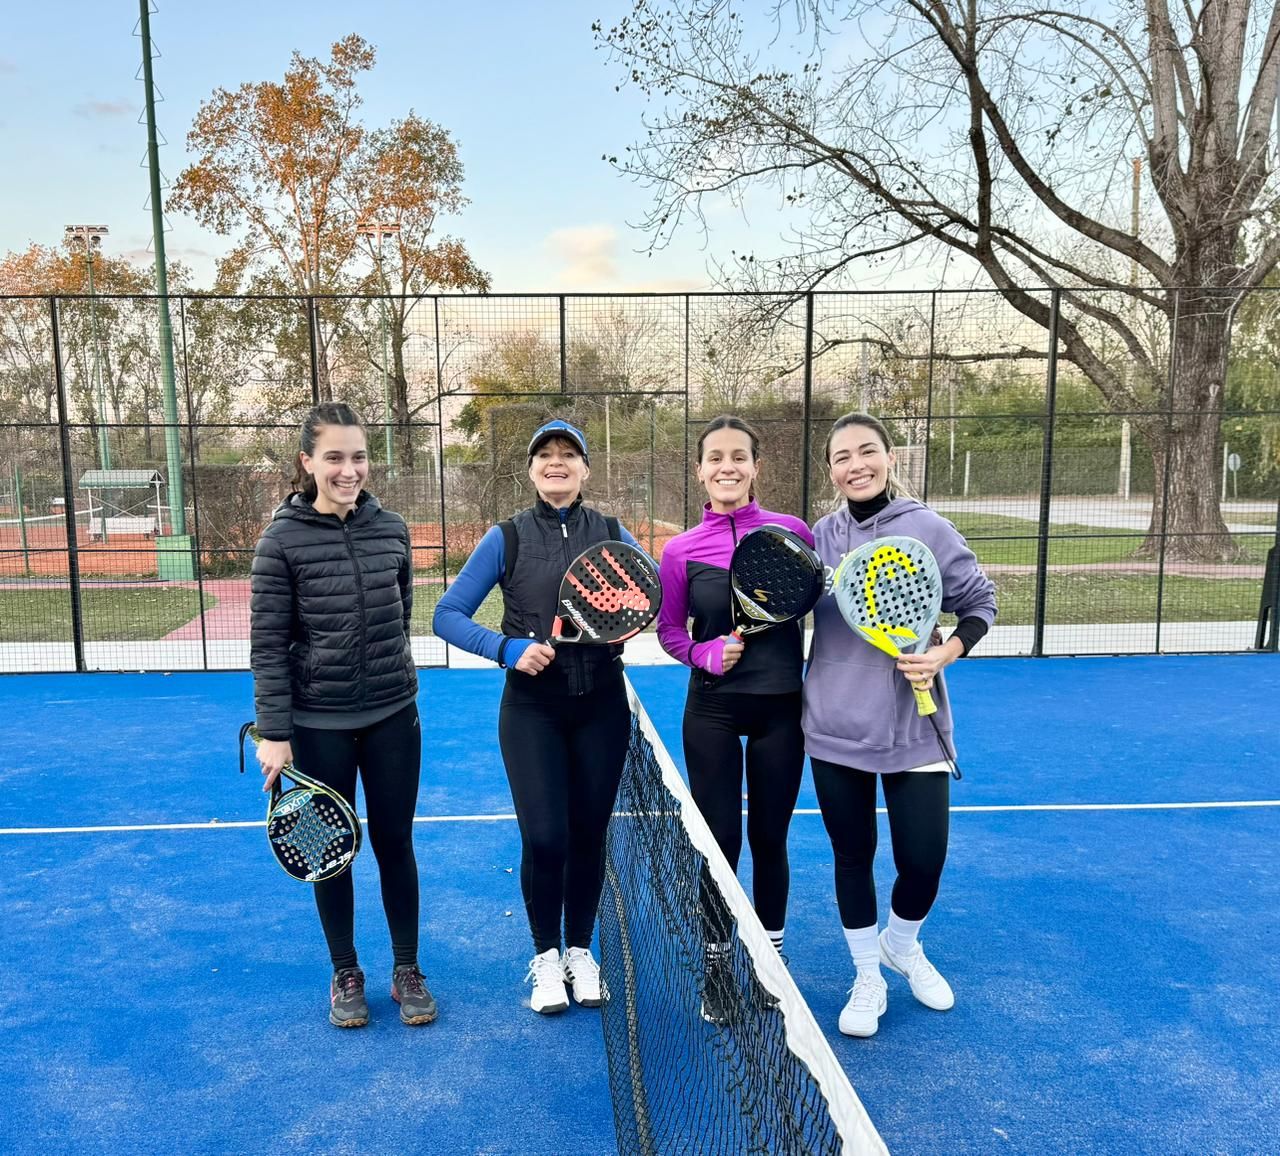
pixel 355 564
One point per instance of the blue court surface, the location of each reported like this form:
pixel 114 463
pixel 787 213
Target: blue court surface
pixel 1108 920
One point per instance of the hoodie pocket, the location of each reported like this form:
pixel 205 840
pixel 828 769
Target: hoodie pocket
pixel 856 702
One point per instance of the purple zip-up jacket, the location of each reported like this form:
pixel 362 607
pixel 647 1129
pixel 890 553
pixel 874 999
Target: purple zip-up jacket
pixel 858 708
pixel 695 584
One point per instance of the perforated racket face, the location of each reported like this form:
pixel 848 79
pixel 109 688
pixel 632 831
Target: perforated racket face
pixel 776 578
pixel 890 592
pixel 313 834
pixel 609 593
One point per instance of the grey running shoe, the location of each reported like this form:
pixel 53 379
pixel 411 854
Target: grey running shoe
pixel 409 990
pixel 347 1008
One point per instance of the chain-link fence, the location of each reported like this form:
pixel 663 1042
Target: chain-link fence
pixel 1119 483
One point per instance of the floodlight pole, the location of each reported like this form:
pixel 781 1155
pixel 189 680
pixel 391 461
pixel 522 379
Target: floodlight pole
pixel 172 441
pixel 377 230
pixel 91 237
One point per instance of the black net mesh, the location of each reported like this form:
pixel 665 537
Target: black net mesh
pixel 703 1056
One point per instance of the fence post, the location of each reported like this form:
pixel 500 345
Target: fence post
pixel 195 487
pixel 928 403
pixel 808 405
pixel 684 507
pixel 314 345
pixel 1164 482
pixel 564 353
pixel 1046 475
pixel 68 492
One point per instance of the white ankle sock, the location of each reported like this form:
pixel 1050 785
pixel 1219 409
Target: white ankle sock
pixel 864 946
pixel 900 935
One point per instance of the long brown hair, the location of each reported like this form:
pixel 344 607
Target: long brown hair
pixel 894 485
pixel 319 416
pixel 732 421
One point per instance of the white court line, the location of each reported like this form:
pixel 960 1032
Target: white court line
pixel 215 824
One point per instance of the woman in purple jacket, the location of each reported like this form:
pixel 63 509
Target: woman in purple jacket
pixel 860 722
pixel 737 689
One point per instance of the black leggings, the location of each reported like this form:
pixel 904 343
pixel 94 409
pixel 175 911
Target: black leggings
pixel 564 758
pixel 388 756
pixel 919 814
pixel 714 726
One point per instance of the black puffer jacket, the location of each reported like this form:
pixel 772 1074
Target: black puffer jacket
pixel 330 613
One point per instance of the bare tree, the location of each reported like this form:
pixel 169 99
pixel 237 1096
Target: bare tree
pixel 997 132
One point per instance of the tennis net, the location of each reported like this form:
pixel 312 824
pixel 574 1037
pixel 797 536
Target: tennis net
pixel 758 1076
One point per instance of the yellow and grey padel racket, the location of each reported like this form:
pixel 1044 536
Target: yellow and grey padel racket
pixel 889 591
pixel 313 832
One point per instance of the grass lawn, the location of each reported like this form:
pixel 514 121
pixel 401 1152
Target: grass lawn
pixel 1079 599
pixel 110 614
pixel 1000 540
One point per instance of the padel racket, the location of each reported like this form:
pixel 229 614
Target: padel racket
pixel 776 577
pixel 890 592
pixel 610 592
pixel 313 831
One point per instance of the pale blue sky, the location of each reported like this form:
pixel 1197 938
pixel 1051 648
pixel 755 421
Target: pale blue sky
pixel 520 86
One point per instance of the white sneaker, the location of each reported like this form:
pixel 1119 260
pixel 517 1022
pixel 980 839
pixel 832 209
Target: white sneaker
pixel 547 975
pixel 583 973
pixel 868 998
pixel 926 984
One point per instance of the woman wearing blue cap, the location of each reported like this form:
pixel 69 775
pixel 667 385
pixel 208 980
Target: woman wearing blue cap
pixel 564 720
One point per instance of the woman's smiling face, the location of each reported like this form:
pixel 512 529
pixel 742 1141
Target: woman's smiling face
pixel 859 462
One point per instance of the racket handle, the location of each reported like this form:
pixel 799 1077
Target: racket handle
pixel 925 705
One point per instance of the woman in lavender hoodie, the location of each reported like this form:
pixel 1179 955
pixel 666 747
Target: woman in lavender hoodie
pixel 748 689
pixel 860 722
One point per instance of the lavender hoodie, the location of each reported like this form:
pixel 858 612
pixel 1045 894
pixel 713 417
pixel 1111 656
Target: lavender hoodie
pixel 858 709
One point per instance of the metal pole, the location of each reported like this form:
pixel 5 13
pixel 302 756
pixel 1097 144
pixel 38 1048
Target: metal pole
pixel 653 465
pixel 1168 442
pixel 564 352
pixel 195 484
pixel 1046 476
pixel 172 441
pixel 22 517
pixel 104 442
pixel 68 493
pixel 807 422
pixel 386 368
pixel 928 407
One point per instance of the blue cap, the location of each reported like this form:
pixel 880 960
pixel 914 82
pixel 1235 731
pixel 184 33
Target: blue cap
pixel 559 429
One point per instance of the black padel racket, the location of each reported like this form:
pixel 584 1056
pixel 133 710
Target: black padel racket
pixel 609 593
pixel 313 831
pixel 776 577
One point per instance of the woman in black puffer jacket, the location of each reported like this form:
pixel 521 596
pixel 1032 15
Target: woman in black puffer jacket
pixel 335 685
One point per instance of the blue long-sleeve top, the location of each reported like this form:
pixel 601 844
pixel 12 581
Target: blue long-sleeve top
pixel 453 619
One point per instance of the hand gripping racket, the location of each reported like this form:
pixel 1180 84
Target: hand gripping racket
pixel 610 592
pixel 775 577
pixel 313 831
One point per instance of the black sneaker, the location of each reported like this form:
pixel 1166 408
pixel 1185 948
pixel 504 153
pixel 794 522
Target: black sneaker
pixel 347 1008
pixel 409 990
pixel 719 993
pixel 763 996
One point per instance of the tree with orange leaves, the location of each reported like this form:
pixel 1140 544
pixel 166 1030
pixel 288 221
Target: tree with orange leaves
pixel 288 169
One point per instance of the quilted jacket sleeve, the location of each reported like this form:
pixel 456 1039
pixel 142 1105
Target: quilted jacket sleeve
pixel 271 616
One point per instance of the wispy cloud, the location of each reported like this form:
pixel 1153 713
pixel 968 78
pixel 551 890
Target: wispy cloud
pixel 587 255
pixel 91 109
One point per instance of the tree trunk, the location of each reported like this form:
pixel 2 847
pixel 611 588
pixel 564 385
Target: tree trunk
pixel 1192 524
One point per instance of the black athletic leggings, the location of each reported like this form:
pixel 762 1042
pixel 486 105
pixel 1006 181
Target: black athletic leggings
pixel 714 726
pixel 388 756
pixel 564 757
pixel 918 804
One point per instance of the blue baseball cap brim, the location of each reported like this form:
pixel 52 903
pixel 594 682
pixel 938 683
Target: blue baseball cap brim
pixel 559 429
